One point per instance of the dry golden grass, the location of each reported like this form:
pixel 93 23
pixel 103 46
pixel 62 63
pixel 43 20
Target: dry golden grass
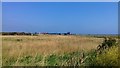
pixel 56 50
pixel 46 44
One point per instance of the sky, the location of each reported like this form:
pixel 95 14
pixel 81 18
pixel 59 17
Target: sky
pixel 74 17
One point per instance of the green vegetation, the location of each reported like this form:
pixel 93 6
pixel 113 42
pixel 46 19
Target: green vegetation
pixel 106 55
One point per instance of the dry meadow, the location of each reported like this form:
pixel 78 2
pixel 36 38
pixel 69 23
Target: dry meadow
pixel 47 44
pixel 45 50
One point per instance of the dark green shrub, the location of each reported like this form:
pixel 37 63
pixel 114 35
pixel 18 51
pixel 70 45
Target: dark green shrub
pixel 52 60
pixel 26 59
pixel 9 62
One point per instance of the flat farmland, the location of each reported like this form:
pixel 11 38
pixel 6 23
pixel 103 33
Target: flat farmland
pixel 45 50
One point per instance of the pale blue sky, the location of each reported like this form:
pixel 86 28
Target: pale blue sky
pixel 75 17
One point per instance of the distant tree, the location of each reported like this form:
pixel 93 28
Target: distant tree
pixel 59 34
pixel 68 33
pixel 36 33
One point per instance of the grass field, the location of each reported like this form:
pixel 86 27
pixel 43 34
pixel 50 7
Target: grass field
pixel 47 50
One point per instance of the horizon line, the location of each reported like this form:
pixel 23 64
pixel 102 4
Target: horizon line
pixel 58 32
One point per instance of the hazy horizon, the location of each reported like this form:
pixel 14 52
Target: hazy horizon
pixel 74 17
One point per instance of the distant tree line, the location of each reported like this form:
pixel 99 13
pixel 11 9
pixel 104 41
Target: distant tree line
pixel 68 33
pixel 24 33
pixel 17 33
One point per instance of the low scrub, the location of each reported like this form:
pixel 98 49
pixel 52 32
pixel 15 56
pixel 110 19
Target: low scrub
pixel 108 56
